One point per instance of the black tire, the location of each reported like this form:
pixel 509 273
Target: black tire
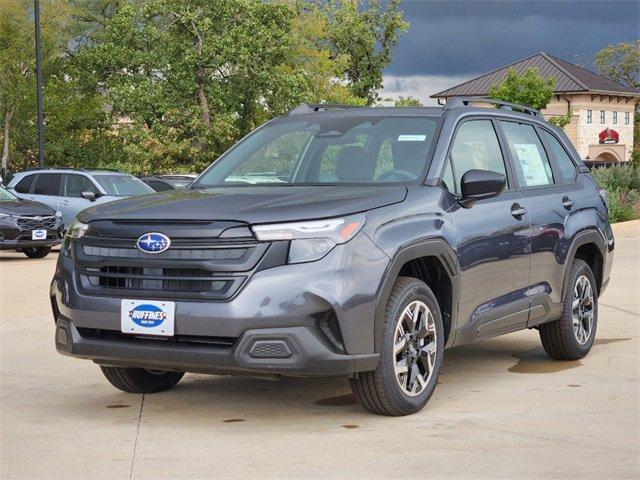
pixel 139 380
pixel 36 252
pixel 558 338
pixel 379 391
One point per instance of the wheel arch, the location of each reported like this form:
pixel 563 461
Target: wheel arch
pixel 588 246
pixel 432 261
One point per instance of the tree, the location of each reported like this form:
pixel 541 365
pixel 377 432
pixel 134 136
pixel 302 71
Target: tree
pixel 620 63
pixel 366 31
pixel 168 85
pixel 408 102
pixel 17 64
pixel 562 121
pixel 530 89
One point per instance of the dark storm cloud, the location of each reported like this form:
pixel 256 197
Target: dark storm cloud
pixel 449 38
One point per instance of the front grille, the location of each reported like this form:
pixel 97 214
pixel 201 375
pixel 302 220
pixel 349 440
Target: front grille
pixel 199 267
pixel 35 223
pixel 157 279
pixel 227 253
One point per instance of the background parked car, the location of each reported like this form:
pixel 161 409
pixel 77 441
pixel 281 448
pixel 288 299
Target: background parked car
pixel 31 227
pixel 73 190
pixel 160 183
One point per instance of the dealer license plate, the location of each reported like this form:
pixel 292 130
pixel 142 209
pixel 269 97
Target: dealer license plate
pixel 147 317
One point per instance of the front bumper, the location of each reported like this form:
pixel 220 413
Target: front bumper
pixel 292 351
pixel 272 326
pixel 11 238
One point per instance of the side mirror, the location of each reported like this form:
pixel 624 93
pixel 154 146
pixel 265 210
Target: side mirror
pixel 479 184
pixel 91 196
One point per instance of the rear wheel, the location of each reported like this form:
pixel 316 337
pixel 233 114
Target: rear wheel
pixel 140 380
pixel 571 337
pixel 410 355
pixel 36 252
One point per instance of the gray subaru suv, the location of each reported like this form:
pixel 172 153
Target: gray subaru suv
pixel 357 242
pixel 71 190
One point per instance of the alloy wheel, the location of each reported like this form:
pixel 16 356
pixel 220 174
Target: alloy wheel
pixel 415 348
pixel 582 309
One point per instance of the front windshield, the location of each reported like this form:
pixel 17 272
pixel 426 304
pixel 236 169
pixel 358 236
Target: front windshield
pixel 123 185
pixel 327 150
pixel 6 194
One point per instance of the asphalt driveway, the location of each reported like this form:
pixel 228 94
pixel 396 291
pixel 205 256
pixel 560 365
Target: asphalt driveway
pixel 502 409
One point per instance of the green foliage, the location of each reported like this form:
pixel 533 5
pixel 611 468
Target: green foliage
pixel 620 63
pixel 561 121
pixel 408 102
pixel 168 85
pixel 622 183
pixel 366 31
pixel 529 89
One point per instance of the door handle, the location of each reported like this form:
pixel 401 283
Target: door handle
pixel 567 203
pixel 517 211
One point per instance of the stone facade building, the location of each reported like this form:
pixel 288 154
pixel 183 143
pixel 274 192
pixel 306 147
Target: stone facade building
pixel 601 126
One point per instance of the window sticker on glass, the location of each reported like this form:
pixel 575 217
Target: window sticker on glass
pixel 532 165
pixel 412 138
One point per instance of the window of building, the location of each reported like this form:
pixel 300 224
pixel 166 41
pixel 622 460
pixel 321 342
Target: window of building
pixel 615 118
pixel 602 116
pixel 626 118
pixel 529 157
pixel 589 116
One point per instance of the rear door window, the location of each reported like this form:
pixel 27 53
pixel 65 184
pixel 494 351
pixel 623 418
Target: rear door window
pixel 48 184
pixel 24 185
pixel 529 157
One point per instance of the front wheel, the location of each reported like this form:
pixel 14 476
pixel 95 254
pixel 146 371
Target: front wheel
pixel 411 353
pixel 140 380
pixel 571 337
pixel 36 252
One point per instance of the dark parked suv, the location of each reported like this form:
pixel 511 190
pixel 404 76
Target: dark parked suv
pixel 344 241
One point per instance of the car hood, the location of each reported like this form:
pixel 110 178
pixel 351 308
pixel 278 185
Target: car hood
pixel 248 204
pixel 25 207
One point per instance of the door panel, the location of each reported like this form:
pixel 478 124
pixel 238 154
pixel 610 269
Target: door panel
pixel 47 189
pixel 492 239
pixel 493 253
pixel 548 202
pixel 72 202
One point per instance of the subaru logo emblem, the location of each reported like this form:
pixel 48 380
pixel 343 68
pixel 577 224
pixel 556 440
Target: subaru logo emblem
pixel 153 243
pixel 38 218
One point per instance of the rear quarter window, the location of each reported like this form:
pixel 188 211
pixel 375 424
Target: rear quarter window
pixel 567 168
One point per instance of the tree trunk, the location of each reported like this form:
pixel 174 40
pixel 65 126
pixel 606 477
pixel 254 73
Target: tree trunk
pixel 5 144
pixel 200 78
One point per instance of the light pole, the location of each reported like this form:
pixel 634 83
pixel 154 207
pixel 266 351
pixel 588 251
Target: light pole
pixel 36 9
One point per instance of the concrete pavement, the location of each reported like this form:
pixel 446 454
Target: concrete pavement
pixel 502 409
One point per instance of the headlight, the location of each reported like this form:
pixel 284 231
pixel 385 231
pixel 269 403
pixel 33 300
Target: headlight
pixel 58 214
pixel 76 230
pixel 5 215
pixel 310 241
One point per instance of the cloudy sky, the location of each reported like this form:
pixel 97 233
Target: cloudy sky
pixel 451 41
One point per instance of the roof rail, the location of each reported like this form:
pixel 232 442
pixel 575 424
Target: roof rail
pixel 55 168
pixel 457 102
pixel 306 108
pixel 76 169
